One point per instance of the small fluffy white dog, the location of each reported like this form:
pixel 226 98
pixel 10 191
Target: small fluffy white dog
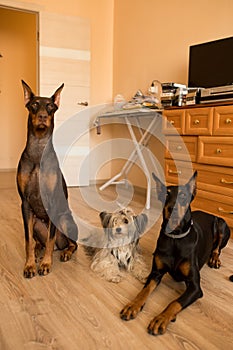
pixel 119 248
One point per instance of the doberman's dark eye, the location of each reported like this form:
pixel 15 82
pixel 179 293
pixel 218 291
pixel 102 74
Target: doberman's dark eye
pixel 125 221
pixel 34 107
pixel 50 107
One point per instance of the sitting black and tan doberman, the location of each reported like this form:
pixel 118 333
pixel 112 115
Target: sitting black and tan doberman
pixel 187 241
pixel 42 188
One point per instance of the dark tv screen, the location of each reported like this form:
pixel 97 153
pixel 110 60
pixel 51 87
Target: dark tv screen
pixel 211 64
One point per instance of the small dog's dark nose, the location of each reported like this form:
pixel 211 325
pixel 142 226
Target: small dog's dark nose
pixel 118 230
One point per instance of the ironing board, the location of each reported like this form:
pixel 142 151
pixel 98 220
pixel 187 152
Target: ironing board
pixel 137 115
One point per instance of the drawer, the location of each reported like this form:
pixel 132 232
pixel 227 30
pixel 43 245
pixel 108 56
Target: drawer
pixel 199 121
pixel 181 147
pixel 215 150
pixel 216 204
pixel 215 179
pixel 174 121
pixel 223 120
pixel 209 178
pixel 178 171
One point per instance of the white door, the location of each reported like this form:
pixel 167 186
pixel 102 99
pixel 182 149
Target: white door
pixel 65 58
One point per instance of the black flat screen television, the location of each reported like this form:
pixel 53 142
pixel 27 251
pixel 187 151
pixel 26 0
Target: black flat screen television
pixel 211 64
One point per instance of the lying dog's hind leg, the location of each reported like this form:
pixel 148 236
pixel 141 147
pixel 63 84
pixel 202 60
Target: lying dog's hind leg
pixel 221 236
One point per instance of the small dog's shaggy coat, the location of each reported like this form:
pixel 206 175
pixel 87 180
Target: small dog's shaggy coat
pixel 119 248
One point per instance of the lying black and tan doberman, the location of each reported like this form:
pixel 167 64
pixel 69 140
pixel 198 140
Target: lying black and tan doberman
pixel 187 241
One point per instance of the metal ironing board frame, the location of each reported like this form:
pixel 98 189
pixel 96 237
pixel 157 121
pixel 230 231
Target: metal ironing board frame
pixel 138 145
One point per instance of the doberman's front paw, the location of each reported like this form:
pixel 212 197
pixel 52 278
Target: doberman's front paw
pixel 159 324
pixel 65 255
pixel 214 261
pixel 44 269
pixel 130 311
pixel 29 271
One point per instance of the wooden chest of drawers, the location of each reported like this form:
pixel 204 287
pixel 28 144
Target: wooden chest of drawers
pixel 204 139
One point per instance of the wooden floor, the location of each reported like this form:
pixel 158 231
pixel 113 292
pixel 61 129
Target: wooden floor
pixel 72 308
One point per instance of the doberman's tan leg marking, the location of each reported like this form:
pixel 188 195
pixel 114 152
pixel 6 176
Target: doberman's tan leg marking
pixel 131 310
pixel 159 324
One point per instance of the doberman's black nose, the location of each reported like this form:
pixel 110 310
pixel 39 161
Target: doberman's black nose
pixel 42 117
pixel 118 230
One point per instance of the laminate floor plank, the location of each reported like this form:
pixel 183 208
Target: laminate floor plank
pixel 72 308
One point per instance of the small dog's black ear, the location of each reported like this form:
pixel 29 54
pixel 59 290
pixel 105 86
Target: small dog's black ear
pixel 105 218
pixel 28 94
pixel 192 184
pixel 56 95
pixel 141 222
pixel 160 188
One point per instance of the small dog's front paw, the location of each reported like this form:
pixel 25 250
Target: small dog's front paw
pixel 114 279
pixel 29 271
pixel 44 269
pixel 143 277
pixel 130 311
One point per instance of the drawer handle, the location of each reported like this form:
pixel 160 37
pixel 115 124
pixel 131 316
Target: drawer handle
pixel 218 150
pixel 179 148
pixel 228 121
pixel 197 121
pixel 178 172
pixel 83 103
pixel 223 181
pixel 221 210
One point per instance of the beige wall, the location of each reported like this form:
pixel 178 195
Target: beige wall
pixel 152 37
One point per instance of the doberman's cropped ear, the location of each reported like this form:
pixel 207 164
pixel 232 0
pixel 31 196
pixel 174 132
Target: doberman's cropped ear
pixel 56 95
pixel 28 94
pixel 192 184
pixel 161 188
pixel 105 218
